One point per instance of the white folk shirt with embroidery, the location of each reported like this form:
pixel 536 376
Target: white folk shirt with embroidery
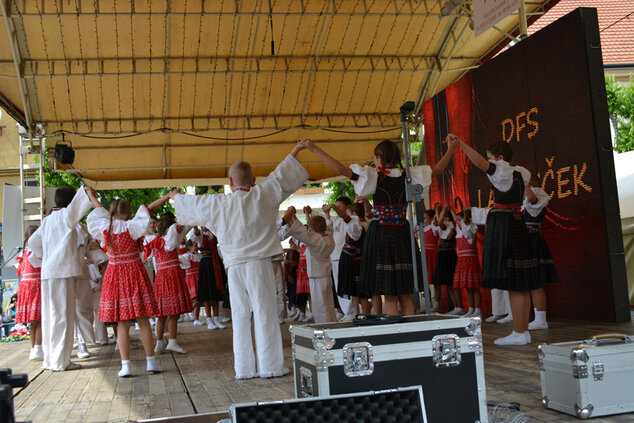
pixel 57 241
pixel 99 222
pixel 320 247
pixel 502 179
pixel 244 221
pixel 368 177
pixel 534 209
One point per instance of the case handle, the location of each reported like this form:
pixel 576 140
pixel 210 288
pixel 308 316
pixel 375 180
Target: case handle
pixel 608 338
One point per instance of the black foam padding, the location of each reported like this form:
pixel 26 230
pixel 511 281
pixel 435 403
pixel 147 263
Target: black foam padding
pixel 388 407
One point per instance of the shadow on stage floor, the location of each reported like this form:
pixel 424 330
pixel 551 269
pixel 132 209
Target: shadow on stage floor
pixel 203 381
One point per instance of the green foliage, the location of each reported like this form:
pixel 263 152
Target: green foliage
pixel 136 197
pixel 339 189
pixel 621 108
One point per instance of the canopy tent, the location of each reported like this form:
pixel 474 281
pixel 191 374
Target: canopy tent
pixel 159 92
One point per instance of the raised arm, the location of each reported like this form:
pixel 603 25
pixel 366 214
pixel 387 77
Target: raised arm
pixel 164 199
pixel 480 161
pixel 92 195
pixel 332 163
pixel 444 161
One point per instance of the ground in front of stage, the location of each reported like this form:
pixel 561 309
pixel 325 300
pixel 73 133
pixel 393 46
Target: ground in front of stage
pixel 203 381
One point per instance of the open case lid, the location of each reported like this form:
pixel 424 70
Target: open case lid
pixel 400 405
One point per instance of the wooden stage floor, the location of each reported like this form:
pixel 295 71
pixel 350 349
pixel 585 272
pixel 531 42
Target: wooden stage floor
pixel 203 380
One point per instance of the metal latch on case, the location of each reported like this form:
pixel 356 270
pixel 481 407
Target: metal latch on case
pixel 358 359
pixel 306 379
pixel 446 350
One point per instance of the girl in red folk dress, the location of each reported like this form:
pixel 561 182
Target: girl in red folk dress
pixel 170 288
pixel 29 308
pixel 191 277
pixel 468 272
pixel 126 292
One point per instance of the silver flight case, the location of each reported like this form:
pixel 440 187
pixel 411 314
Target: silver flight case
pixel 589 378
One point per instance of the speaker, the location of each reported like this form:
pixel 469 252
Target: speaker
pixel 64 154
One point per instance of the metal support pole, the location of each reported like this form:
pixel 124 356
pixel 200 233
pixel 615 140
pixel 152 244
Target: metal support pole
pixel 522 18
pixel 414 196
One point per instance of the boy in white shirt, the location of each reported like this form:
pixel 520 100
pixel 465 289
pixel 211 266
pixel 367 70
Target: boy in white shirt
pixel 244 223
pixel 63 267
pixel 318 238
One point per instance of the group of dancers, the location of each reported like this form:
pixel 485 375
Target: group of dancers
pixel 365 247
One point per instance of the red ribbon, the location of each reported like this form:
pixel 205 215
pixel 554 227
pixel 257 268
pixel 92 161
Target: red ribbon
pixel 383 171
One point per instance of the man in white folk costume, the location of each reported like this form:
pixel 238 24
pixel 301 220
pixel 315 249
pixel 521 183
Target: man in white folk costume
pixel 244 223
pixel 63 267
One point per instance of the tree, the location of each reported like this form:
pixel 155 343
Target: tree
pixel 339 189
pixel 621 108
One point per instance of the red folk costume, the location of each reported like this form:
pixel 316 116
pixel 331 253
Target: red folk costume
pixel 170 289
pixel 431 249
pixel 29 308
pixel 191 274
pixel 303 286
pixel 126 293
pixel 468 272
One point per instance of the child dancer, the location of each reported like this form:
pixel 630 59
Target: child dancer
pixel 350 260
pixel 447 258
pixel 244 223
pixel 212 277
pixel 170 289
pixel 387 267
pixel 430 237
pixel 508 261
pixel 29 307
pixel 63 267
pixel 468 272
pixel 533 214
pixel 291 259
pixel 126 291
pixel 347 304
pixel 97 263
pixel 191 277
pixel 302 285
pixel 318 238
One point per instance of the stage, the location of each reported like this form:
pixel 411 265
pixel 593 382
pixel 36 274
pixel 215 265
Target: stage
pixel 202 380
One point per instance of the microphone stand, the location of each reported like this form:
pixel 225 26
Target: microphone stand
pixel 415 199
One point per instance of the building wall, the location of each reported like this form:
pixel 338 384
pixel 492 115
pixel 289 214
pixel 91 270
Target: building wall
pixel 9 156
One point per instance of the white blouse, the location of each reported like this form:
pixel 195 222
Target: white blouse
pixel 445 233
pixel 368 177
pixel 502 179
pixel 99 221
pixel 534 209
pixel 355 228
pixel 173 237
pixel 467 231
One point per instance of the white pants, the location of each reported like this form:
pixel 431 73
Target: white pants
pixel 280 290
pixel 500 302
pixel 101 331
pixel 84 311
pixel 350 306
pixel 252 289
pixel 58 321
pixel 322 303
